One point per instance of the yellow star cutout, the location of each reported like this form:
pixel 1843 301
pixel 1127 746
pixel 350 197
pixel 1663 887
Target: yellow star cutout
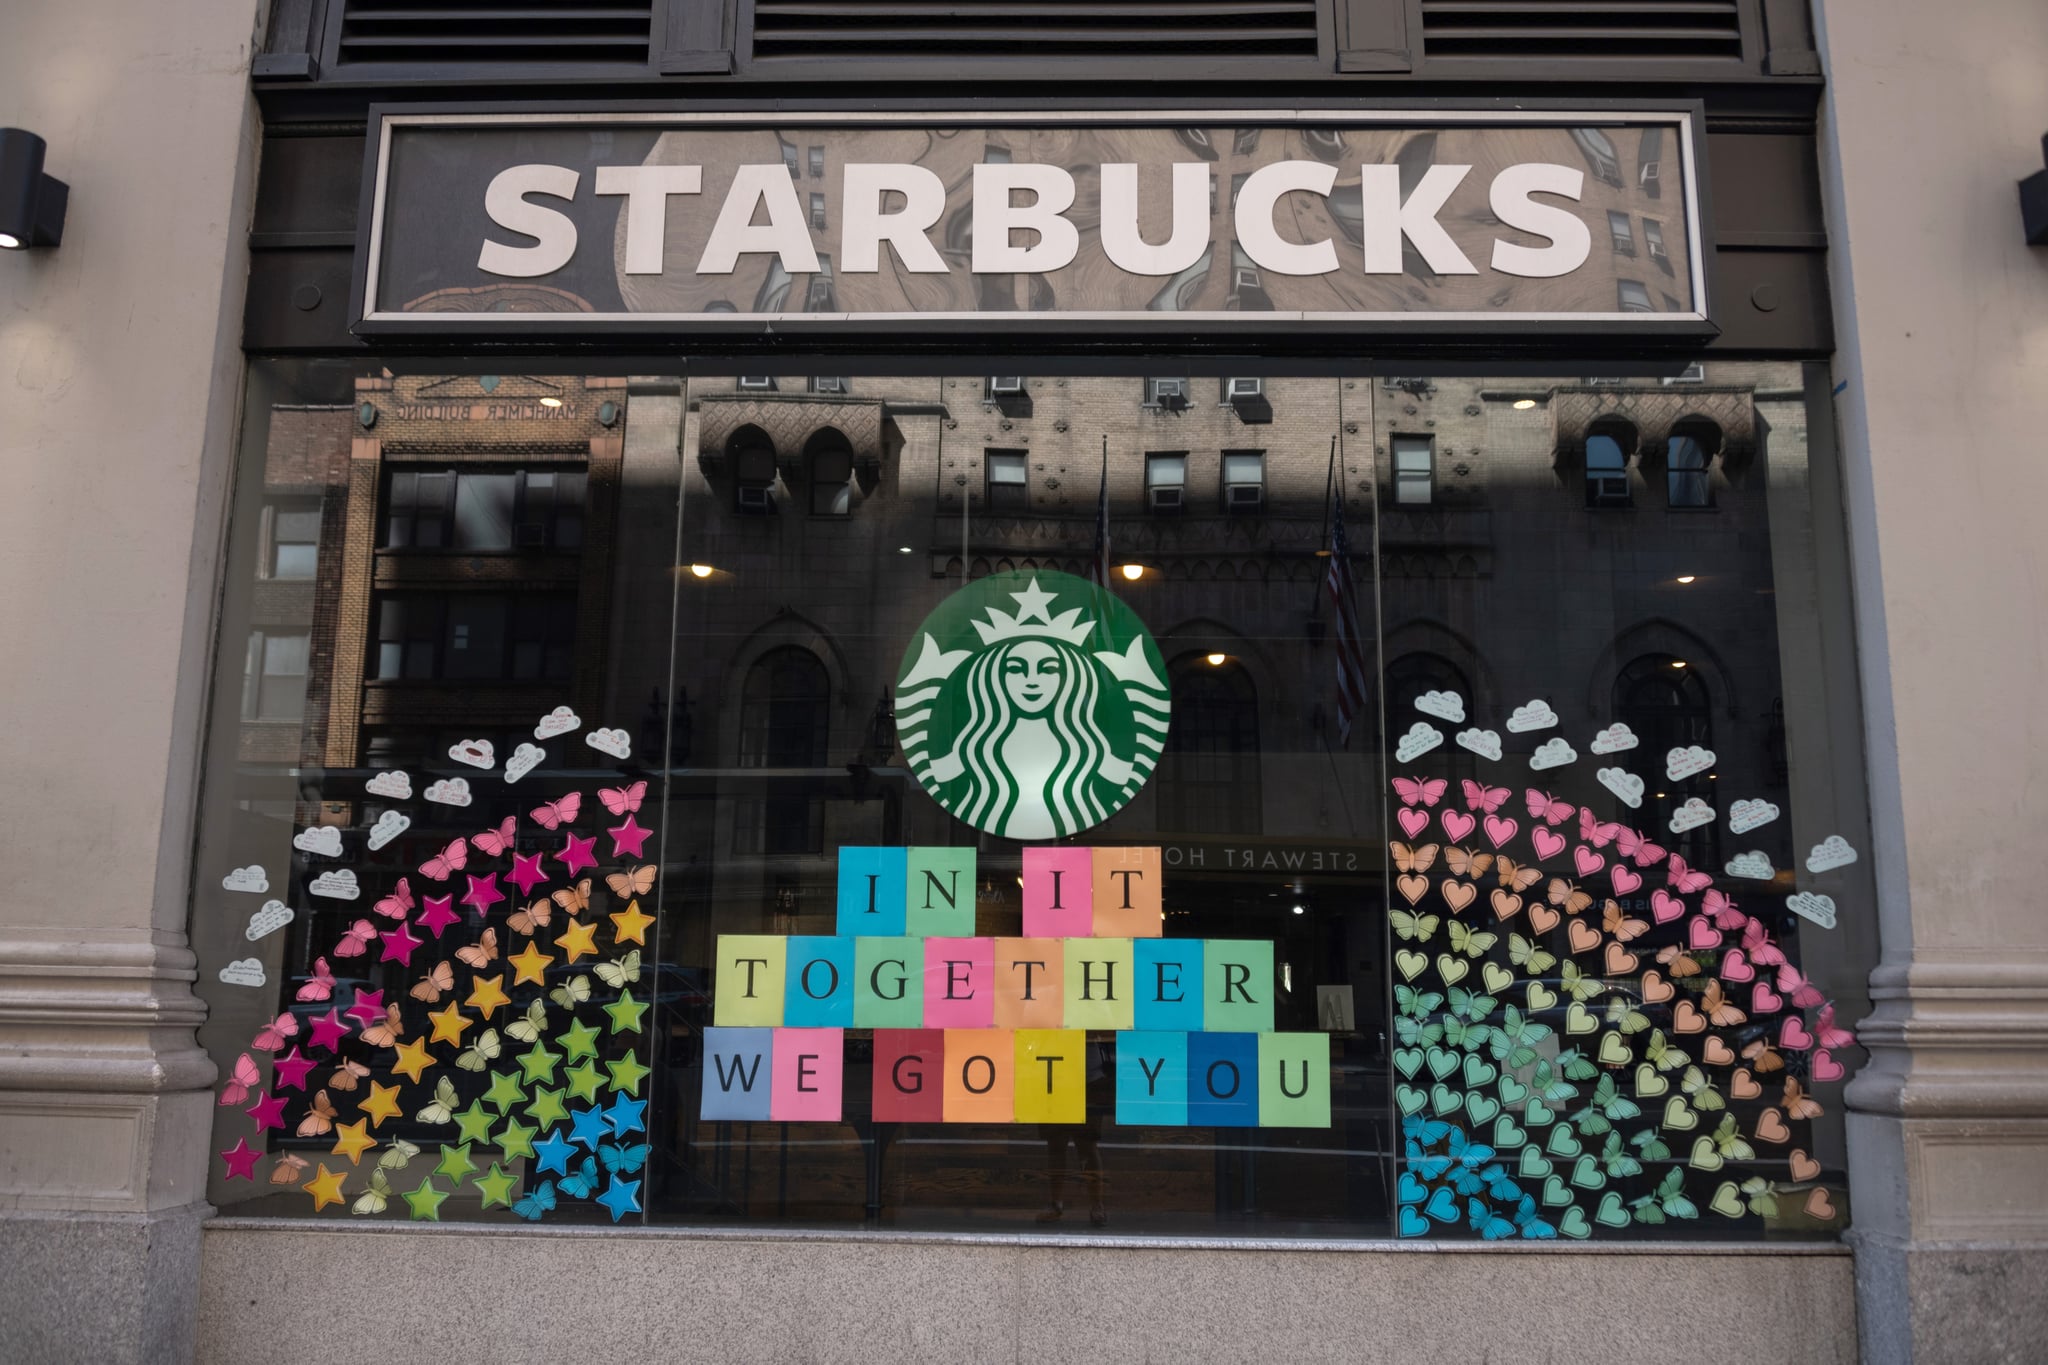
pixel 578 940
pixel 352 1140
pixel 448 1024
pixel 325 1188
pixel 629 925
pixel 382 1104
pixel 413 1059
pixel 488 995
pixel 530 965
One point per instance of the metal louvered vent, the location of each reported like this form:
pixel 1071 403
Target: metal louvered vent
pixel 498 32
pixel 1553 29
pixel 1038 28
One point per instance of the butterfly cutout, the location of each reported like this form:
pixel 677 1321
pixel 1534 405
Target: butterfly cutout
pixel 1623 1014
pixel 1413 859
pixel 1467 864
pixel 1547 808
pixel 625 800
pixel 621 971
pixel 1762 1057
pixel 626 885
pixel 1637 846
pixel 1594 832
pixel 483 952
pixel 291 1167
pixel 534 916
pixel 1793 982
pixel 1756 942
pixel 1722 910
pixel 1577 984
pixel 440 1109
pixel 1516 877
pixel 1413 791
pixel 1824 1028
pixel 1470 942
pixel 320 986
pixel 1728 1141
pixel 1527 955
pixel 1479 796
pixel 319 1118
pixel 1571 898
pixel 387 1033
pixel 356 939
pixel 348 1075
pixel 1619 925
pixel 439 980
pixel 398 904
pixel 398 1155
pixel 1700 1090
pixel 582 1182
pixel 377 1198
pixel 1685 879
pixel 622 1160
pixel 495 841
pixel 1418 927
pixel 574 899
pixel 572 992
pixel 447 862
pixel 555 814
pixel 271 1036
pixel 539 1201
pixel 480 1054
pixel 1514 1041
pixel 1678 961
pixel 528 1027
pixel 1797 1103
pixel 1605 1107
pixel 1667 1200
pixel 1664 1054
pixel 246 1075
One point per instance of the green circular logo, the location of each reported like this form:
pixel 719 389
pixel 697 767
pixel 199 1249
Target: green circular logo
pixel 1032 704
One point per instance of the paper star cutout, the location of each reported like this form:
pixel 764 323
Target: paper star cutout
pixel 516 1139
pixel 291 1070
pixel 538 1064
pixel 554 1152
pixel 530 965
pixel 578 854
pixel 382 1103
pixel 488 994
pixel 546 1108
pixel 328 1031
pixel 448 1023
pixel 483 893
pixel 474 1123
pixel 352 1140
pixel 625 1013
pixel 527 873
pixel 412 1060
pixel 627 1073
pixel 628 838
pixel 621 1197
pixel 584 1081
pixel 587 1126
pixel 504 1092
pixel 626 1116
pixel 368 1008
pixel 426 1201
pixel 455 1163
pixel 268 1111
pixel 241 1160
pixel 578 1040
pixel 325 1187
pixel 578 940
pixel 400 944
pixel 496 1186
pixel 630 925
pixel 439 914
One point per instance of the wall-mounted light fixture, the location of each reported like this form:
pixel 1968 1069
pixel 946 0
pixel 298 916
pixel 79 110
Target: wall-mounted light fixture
pixel 2034 201
pixel 31 203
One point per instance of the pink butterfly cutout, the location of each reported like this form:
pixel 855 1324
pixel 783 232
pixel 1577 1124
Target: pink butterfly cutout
pixel 321 986
pixel 1479 796
pixel 1547 808
pixel 555 814
pixel 356 941
pixel 1634 844
pixel 271 1036
pixel 1596 833
pixel 1756 941
pixel 1426 791
pixel 1722 909
pixel 622 800
pixel 1829 1035
pixel 447 862
pixel 1793 982
pixel 397 905
pixel 495 841
pixel 246 1075
pixel 1684 878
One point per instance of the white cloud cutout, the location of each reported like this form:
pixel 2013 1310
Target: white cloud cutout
pixel 1532 715
pixel 274 916
pixel 559 721
pixel 395 783
pixel 1420 739
pixel 1443 705
pixel 1755 865
pixel 1820 909
pixel 1690 761
pixel 617 743
pixel 1830 853
pixel 1750 813
pixel 246 971
pixel 1625 785
pixel 389 826
pixel 251 878
pixel 324 839
pixel 339 884
pixel 1614 739
pixel 523 761
pixel 477 753
pixel 449 791
pixel 1485 743
pixel 1691 815
pixel 1553 753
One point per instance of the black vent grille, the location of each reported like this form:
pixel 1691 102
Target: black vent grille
pixel 1042 28
pixel 497 32
pixel 1602 29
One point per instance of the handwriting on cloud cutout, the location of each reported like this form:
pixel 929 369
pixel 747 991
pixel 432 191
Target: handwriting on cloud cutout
pixel 1829 854
pixel 1485 743
pixel 1818 908
pixel 1691 815
pixel 1532 715
pixel 1443 705
pixel 247 971
pixel 274 916
pixel 1623 784
pixel 477 753
pixel 250 878
pixel 395 783
pixel 559 721
pixel 449 791
pixel 1755 865
pixel 615 742
pixel 524 760
pixel 1614 739
pixel 1690 761
pixel 1750 813
pixel 389 826
pixel 339 884
pixel 1553 753
pixel 321 839
pixel 1420 739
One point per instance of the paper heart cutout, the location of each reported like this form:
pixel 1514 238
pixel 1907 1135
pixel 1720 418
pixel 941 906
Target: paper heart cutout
pixel 1717 1053
pixel 1770 1127
pixel 1458 894
pixel 1686 1019
pixel 1442 1206
pixel 1727 1200
pixel 1555 1193
pixel 1792 1034
pixel 1704 1156
pixel 1501 828
pixel 1445 1100
pixel 1412 885
pixel 1804 1167
pixel 1650 1082
pixel 1452 970
pixel 1496 977
pixel 1512 1091
pixel 1818 1206
pixel 1539 997
pixel 1736 967
pixel 1507 1134
pixel 1612 1212
pixel 1457 824
pixel 1506 904
pixel 1563 1142
pixel 1533 1163
pixel 1665 907
pixel 1702 935
pixel 1413 822
pixel 1410 1099
pixel 1410 963
pixel 1678 1115
pixel 1620 961
pixel 1442 1062
pixel 1586 1174
pixel 1481 1108
pixel 1743 1086
pixel 1587 861
pixel 1548 844
pixel 1584 937
pixel 1826 1068
pixel 1573 1224
pixel 1407 1060
pixel 1625 881
pixel 1613 1051
pixel 1413 1224
pixel 1656 990
pixel 1764 1000
pixel 1577 1020
pixel 1537 1114
pixel 1543 919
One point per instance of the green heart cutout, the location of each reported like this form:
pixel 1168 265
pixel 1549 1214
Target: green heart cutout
pixel 1613 1051
pixel 1538 1113
pixel 1507 1133
pixel 1496 977
pixel 1704 1156
pixel 1555 1195
pixel 1587 1175
pixel 1532 1164
pixel 1410 1099
pixel 1577 1020
pixel 1408 1060
pixel 1482 1108
pixel 1411 963
pixel 1612 1212
pixel 1573 1224
pixel 1649 1084
pixel 1539 998
pixel 1678 1116
pixel 1451 969
pixel 1442 1062
pixel 1479 1071
pixel 1512 1091
pixel 1445 1100
pixel 1727 1200
pixel 1563 1142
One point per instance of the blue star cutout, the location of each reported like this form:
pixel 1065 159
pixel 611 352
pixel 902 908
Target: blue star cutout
pixel 587 1126
pixel 627 1116
pixel 554 1152
pixel 621 1197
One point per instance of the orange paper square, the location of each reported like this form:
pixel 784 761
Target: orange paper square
pixel 1126 893
pixel 1030 983
pixel 981 1069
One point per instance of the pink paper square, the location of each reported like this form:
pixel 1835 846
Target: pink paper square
pixel 1058 886
pixel 804 1085
pixel 959 982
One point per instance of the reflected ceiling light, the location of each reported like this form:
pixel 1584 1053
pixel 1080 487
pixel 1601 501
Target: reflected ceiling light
pixel 1687 578
pixel 1524 404
pixel 31 203
pixel 551 402
pixel 1218 660
pixel 1301 910
pixel 904 550
pixel 701 570
pixel 1134 572
pixel 1678 663
pixel 9 242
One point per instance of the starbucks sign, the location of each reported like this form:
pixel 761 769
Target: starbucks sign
pixel 1032 705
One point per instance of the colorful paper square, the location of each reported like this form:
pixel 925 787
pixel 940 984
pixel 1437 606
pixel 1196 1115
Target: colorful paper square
pixel 1028 977
pixel 959 982
pixel 1058 891
pixel 1152 1078
pixel 939 893
pixel 1127 899
pixel 1294 1080
pixel 910 1075
pixel 1168 982
pixel 808 1065
pixel 1223 1080
pixel 818 992
pixel 1237 985
pixel 980 1068
pixel 749 987
pixel 1051 1079
pixel 888 983
pixel 1098 985
pixel 871 882
pixel 737 1074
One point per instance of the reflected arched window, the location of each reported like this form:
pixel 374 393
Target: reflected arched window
pixel 784 718
pixel 1665 701
pixel 1411 675
pixel 751 456
pixel 1209 774
pixel 829 463
pixel 1687 454
pixel 1607 450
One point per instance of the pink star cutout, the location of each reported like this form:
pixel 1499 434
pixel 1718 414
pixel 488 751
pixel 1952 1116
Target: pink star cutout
pixel 292 1069
pixel 526 872
pixel 439 914
pixel 241 1160
pixel 268 1112
pixel 628 838
pixel 399 944
pixel 368 1008
pixel 328 1031
pixel 483 893
pixel 578 854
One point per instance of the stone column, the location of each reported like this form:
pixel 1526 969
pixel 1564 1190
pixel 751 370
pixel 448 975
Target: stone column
pixel 119 384
pixel 1933 112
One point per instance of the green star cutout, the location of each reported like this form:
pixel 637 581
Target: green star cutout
pixel 475 1123
pixel 627 1073
pixel 504 1092
pixel 455 1164
pixel 516 1138
pixel 625 1013
pixel 578 1040
pixel 538 1064
pixel 584 1081
pixel 426 1201
pixel 547 1108
pixel 496 1186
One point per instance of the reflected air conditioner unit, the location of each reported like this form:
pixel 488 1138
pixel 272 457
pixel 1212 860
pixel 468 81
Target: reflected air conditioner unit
pixel 1650 174
pixel 757 381
pixel 1236 389
pixel 756 499
pixel 828 384
pixel 1245 497
pixel 1166 498
pixel 1006 384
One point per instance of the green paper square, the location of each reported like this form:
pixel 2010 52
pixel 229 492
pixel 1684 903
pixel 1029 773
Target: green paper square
pixel 939 893
pixel 1237 986
pixel 1294 1080
pixel 885 967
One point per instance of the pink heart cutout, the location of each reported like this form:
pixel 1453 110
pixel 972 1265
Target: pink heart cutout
pixel 1736 967
pixel 1764 1000
pixel 1548 845
pixel 1826 1068
pixel 1413 822
pixel 1588 861
pixel 1625 881
pixel 1500 829
pixel 1793 1035
pixel 1701 934
pixel 1457 824
pixel 1665 907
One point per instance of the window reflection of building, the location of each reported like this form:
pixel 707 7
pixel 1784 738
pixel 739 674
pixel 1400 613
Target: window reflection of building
pixel 785 717
pixel 1411 675
pixel 1664 700
pixel 1209 775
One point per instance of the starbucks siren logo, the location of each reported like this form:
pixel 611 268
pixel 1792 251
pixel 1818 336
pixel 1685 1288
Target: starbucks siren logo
pixel 1036 721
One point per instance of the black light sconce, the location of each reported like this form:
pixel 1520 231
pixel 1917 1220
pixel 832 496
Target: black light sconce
pixel 31 203
pixel 2034 201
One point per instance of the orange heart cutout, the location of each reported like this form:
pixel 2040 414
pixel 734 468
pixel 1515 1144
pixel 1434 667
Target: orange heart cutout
pixel 1716 1052
pixel 1620 961
pixel 1506 905
pixel 1413 885
pixel 1804 1167
pixel 1686 1019
pixel 1656 989
pixel 1543 919
pixel 1818 1205
pixel 1744 1086
pixel 1458 894
pixel 1585 938
pixel 1770 1127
